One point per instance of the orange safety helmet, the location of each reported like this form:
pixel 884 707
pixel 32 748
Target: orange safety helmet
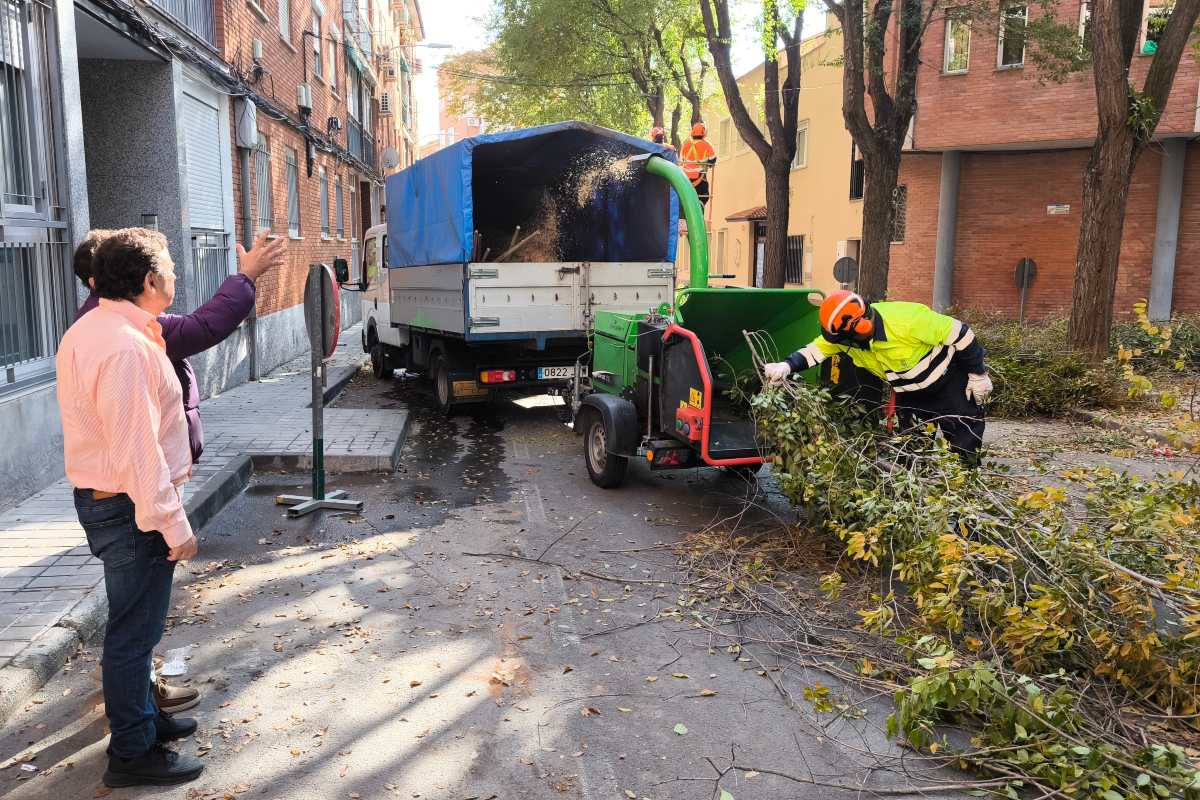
pixel 657 134
pixel 843 313
pixel 699 131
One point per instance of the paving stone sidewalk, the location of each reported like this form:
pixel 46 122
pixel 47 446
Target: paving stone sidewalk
pixel 46 570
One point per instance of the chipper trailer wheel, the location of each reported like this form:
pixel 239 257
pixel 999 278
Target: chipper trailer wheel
pixel 607 470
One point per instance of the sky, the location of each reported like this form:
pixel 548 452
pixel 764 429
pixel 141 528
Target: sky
pixel 460 23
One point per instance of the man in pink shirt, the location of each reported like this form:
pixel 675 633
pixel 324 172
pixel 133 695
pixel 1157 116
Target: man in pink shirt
pixel 127 454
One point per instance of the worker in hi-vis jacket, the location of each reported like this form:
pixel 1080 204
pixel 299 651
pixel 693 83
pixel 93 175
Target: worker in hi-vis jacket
pixel 933 362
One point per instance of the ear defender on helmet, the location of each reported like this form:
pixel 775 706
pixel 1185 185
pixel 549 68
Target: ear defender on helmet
pixel 863 326
pixel 843 316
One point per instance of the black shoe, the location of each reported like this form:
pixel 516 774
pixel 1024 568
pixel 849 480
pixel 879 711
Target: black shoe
pixel 158 766
pixel 168 727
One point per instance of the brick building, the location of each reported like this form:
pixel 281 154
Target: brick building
pixel 996 175
pixel 452 127
pixel 206 119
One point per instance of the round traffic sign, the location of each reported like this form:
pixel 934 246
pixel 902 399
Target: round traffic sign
pixel 1026 272
pixel 845 270
pixel 322 309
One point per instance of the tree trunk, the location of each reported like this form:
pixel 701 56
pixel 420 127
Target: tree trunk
pixel 676 114
pixel 874 253
pixel 778 174
pixel 1105 191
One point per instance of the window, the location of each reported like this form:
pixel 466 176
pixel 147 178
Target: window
pixel 857 173
pixel 793 269
pixel 285 20
pixel 725 139
pixel 263 197
pixel 339 208
pixel 1010 52
pixel 371 260
pixel 800 160
pixel 334 37
pixel 324 204
pixel 1085 25
pixel 293 194
pixel 318 68
pixel 958 41
pixel 899 213
pixel 1156 23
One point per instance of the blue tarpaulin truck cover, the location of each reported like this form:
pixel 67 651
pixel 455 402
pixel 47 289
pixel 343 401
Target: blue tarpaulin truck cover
pixel 495 182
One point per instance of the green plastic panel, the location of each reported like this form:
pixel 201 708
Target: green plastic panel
pixel 614 348
pixel 718 316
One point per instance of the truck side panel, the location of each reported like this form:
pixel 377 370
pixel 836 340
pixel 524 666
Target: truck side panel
pixel 428 297
pixel 627 287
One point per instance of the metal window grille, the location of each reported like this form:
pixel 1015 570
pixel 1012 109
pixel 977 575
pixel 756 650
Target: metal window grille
pixel 210 264
pixel 339 208
pixel 794 266
pixel 18 174
pixel 285 20
pixel 858 174
pixel 263 196
pixel 293 193
pixel 36 306
pixel 196 15
pixel 324 202
pixel 899 213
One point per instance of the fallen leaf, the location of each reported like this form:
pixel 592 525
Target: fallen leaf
pixel 589 712
pixel 624 710
pixel 413 684
pixel 241 787
pixel 651 679
pixel 681 675
pixel 707 693
pixel 102 791
pixel 750 774
pixel 680 729
pixel 726 795
pixel 632 795
pixel 568 668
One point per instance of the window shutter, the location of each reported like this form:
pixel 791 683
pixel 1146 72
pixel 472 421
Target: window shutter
pixel 202 143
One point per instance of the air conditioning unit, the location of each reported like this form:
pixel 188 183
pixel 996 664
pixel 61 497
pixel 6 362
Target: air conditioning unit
pixel 304 97
pixel 390 71
pixel 385 104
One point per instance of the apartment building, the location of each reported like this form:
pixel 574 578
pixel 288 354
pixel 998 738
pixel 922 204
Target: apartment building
pixel 206 119
pixel 996 175
pixel 825 214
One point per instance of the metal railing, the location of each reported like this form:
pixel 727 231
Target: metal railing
pixel 360 143
pixel 37 303
pixel 210 264
pixel 357 25
pixel 197 15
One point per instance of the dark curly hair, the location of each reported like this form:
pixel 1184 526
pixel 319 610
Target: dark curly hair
pixel 123 260
pixel 87 251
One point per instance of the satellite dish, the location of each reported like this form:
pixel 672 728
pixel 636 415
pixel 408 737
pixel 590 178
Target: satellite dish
pixel 391 158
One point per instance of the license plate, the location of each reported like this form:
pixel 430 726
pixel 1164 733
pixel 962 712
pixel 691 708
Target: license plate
pixel 559 373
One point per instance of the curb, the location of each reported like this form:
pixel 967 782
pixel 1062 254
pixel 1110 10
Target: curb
pixel 335 464
pixel 1111 424
pixel 42 658
pixel 337 380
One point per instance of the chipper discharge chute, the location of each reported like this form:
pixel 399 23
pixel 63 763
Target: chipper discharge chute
pixel 673 385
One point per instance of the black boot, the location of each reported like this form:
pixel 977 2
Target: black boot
pixel 158 766
pixel 168 727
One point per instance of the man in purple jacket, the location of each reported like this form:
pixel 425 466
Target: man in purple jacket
pixel 188 335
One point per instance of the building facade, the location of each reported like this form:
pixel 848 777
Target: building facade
pixel 115 115
pixel 996 175
pixel 825 209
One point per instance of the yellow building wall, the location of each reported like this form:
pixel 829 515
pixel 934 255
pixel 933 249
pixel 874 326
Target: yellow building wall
pixel 820 209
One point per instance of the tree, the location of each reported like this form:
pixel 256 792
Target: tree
pixel 878 114
pixel 781 103
pixel 1128 117
pixel 617 63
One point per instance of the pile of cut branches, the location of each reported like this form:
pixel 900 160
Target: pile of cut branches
pixel 1055 617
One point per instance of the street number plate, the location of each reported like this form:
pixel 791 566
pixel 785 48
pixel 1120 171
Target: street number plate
pixel 559 373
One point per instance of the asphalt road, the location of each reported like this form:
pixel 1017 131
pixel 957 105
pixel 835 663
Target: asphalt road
pixel 346 656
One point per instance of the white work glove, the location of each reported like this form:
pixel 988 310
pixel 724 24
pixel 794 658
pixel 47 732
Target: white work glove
pixel 777 372
pixel 979 387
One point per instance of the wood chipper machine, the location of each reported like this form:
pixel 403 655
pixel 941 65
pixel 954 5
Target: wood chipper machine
pixel 670 385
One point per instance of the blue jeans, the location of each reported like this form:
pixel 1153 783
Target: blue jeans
pixel 137 579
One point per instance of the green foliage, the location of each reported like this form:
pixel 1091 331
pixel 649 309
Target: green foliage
pixel 1143 114
pixel 1034 616
pixel 1036 374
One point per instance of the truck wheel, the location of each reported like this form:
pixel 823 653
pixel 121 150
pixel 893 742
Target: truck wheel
pixel 379 361
pixel 443 391
pixel 607 470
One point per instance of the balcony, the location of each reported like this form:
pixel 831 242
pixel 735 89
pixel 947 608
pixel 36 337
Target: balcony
pixel 198 16
pixel 360 143
pixel 358 27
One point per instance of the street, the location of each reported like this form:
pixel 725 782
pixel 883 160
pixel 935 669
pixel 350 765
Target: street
pixel 391 655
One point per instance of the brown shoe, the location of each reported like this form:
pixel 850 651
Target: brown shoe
pixel 173 699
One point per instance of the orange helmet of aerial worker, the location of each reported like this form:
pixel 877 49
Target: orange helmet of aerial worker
pixel 697 154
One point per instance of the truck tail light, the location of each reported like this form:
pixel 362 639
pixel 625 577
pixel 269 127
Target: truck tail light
pixel 498 376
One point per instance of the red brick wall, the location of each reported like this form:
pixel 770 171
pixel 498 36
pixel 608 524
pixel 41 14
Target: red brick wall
pixel 283 62
pixel 910 276
pixel 1187 258
pixel 1002 218
pixel 987 106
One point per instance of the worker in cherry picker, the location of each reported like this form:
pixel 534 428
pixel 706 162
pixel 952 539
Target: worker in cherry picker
pixel 932 362
pixel 659 136
pixel 697 155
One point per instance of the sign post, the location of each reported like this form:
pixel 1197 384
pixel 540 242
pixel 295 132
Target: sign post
pixel 1026 272
pixel 322 317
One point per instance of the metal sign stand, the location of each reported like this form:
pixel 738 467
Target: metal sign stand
pixel 1026 272
pixel 322 334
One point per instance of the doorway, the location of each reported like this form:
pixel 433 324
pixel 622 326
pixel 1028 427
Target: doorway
pixel 760 253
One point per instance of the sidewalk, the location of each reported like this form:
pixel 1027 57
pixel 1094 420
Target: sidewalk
pixel 51 593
